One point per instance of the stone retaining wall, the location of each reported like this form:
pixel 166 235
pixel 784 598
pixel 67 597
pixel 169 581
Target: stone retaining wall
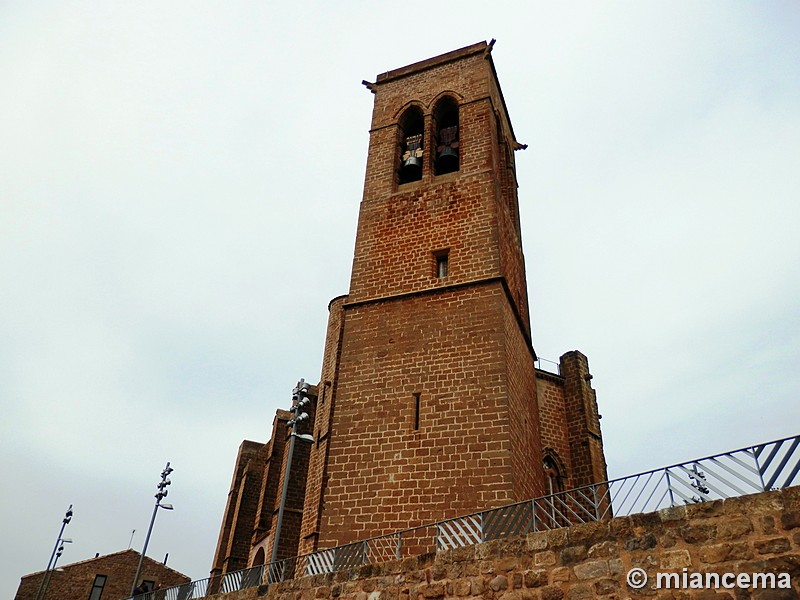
pixel 750 534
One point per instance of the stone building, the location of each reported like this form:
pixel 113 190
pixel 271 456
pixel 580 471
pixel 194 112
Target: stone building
pixel 430 404
pixel 108 577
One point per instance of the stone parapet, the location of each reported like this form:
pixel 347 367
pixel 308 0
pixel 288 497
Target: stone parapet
pixel 749 534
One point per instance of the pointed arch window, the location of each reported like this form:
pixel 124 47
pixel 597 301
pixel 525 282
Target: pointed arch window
pixel 260 557
pixel 411 145
pixel 555 479
pixel 445 118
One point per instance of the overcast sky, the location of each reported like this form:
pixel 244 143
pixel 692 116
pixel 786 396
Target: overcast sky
pixel 179 189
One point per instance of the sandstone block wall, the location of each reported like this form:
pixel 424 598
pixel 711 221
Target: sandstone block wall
pixel 233 545
pixel 569 423
pixel 419 431
pixel 759 533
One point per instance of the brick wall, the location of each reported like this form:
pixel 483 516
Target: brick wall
pixel 295 489
pixel 570 422
pixel 270 485
pixel 521 410
pixel 390 470
pixel 239 518
pixel 583 421
pixel 250 517
pixel 553 422
pixel 759 533
pixel 76 580
pixel 318 459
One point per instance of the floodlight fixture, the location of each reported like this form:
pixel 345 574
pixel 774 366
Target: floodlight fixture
pixel 162 492
pixel 300 398
pixel 51 564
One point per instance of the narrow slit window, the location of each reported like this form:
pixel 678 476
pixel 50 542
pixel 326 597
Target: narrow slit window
pixel 442 268
pixel 416 411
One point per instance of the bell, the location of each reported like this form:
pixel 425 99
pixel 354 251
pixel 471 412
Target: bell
pixel 447 160
pixel 412 168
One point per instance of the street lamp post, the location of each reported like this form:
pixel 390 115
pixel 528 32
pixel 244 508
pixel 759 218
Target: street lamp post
pixel 300 399
pixel 50 564
pixel 49 574
pixel 162 493
pixel 60 552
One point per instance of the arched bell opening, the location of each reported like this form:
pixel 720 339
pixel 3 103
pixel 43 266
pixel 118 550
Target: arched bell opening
pixel 411 145
pixel 445 118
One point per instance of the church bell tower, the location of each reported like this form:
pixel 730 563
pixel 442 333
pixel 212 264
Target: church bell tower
pixel 431 407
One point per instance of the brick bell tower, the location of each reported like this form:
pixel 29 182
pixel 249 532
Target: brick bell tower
pixel 432 409
pixel 428 405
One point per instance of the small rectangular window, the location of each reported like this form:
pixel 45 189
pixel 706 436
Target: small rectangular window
pixel 442 268
pixel 97 587
pixel 416 411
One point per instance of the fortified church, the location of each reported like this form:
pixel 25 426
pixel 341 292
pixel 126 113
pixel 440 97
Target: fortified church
pixel 429 405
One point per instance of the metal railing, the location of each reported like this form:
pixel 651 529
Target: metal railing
pixel 769 466
pixel 550 366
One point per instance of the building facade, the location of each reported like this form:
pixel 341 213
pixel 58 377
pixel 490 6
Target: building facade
pixel 107 577
pixel 430 404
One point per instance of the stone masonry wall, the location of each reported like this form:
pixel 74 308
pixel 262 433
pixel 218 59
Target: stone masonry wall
pixel 274 451
pixel 233 545
pixel 553 425
pixel 317 466
pixel 570 422
pixel 390 469
pixel 583 421
pixel 750 534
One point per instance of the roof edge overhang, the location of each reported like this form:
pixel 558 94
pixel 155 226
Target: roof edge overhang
pixel 417 67
pixel 429 63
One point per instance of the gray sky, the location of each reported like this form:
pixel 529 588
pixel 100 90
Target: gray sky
pixel 179 188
